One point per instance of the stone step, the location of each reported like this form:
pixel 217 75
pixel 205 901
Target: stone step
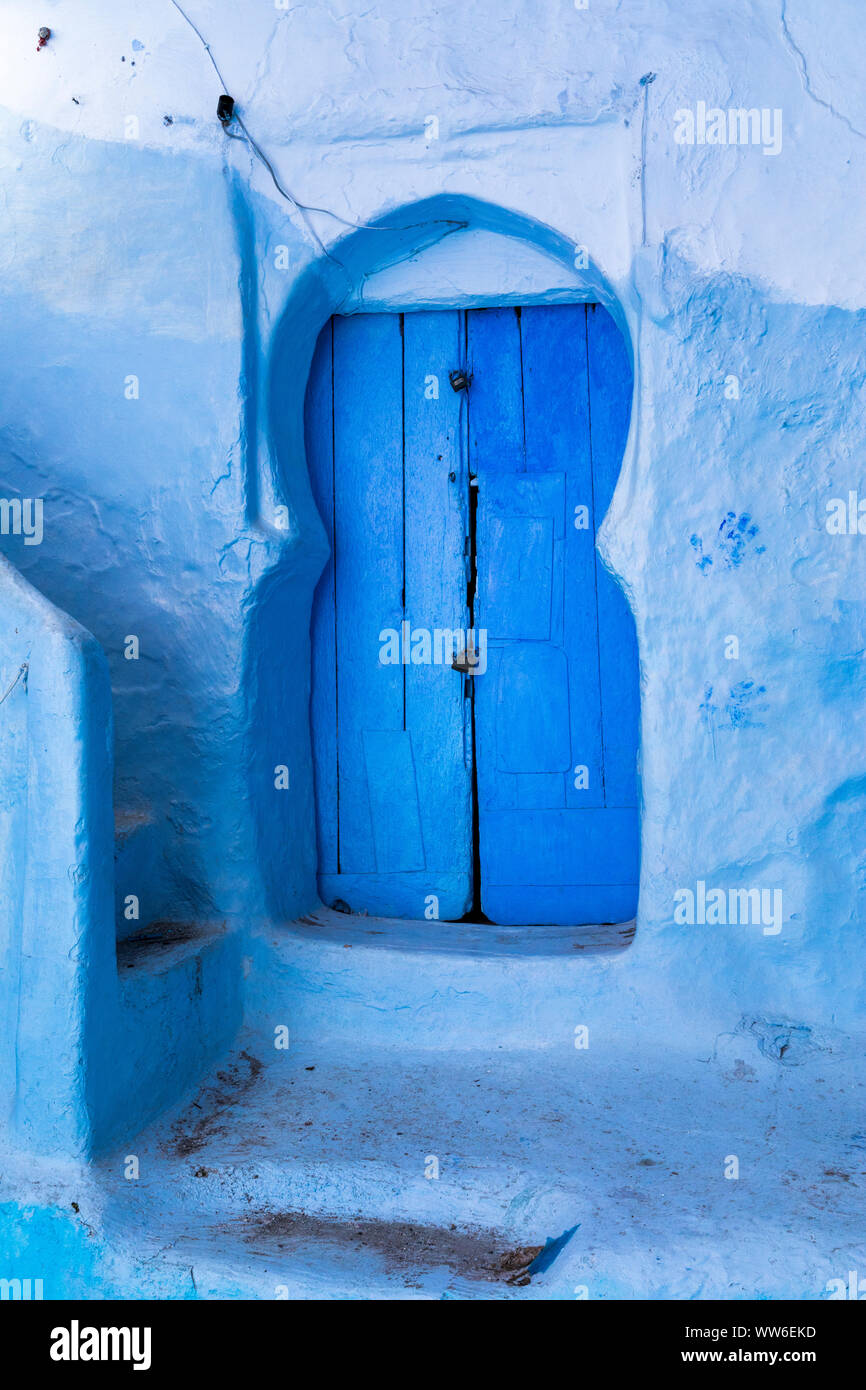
pixel 436 985
pixel 306 1170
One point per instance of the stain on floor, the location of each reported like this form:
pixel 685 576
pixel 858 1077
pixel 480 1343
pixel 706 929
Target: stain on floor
pixel 209 1115
pixel 401 1245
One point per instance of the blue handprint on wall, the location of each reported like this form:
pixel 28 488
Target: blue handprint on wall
pixel 735 536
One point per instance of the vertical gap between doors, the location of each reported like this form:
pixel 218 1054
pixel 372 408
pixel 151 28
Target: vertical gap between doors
pixel 476 912
pixel 403 475
pixel 334 562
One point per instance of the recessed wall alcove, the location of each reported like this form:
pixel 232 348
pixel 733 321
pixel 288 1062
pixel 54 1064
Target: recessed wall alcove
pixel 449 256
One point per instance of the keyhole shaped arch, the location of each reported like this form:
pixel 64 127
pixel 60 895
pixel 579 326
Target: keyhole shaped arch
pixel 412 253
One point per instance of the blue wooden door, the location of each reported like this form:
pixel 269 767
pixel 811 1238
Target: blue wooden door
pixel 391 743
pixel 510 794
pixel 556 713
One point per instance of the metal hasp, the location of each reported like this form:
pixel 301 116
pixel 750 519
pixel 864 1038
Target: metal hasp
pixel 465 661
pixel 459 380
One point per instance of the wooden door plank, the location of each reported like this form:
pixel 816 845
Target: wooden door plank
pixel 393 791
pixel 395 894
pixel 556 411
pixel 572 904
pixel 610 405
pixel 495 399
pixel 436 490
pixel 521 702
pixel 539 848
pixel 368 472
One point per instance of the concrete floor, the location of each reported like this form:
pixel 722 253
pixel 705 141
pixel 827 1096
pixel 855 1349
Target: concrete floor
pixel 303 1172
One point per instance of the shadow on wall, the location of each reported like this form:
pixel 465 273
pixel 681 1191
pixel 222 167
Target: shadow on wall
pixel 277 677
pixel 119 408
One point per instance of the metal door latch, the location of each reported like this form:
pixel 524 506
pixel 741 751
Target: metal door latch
pixel 465 661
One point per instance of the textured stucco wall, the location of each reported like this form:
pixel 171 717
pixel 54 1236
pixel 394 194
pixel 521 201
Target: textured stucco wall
pixel 489 143
pixel 56 948
pixel 87 1052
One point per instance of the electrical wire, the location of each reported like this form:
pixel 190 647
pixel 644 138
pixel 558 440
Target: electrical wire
pixel 8 691
pixel 305 208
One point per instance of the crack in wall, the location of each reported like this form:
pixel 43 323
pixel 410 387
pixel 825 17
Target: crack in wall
pixel 800 59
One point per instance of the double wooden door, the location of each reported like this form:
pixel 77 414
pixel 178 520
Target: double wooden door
pixel 475 695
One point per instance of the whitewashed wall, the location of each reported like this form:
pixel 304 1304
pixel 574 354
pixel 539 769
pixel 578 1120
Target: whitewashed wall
pixel 140 242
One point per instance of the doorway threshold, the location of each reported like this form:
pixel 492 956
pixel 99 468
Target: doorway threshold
pixel 465 938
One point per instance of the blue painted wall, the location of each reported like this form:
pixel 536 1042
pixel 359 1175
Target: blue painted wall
pixel 164 251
